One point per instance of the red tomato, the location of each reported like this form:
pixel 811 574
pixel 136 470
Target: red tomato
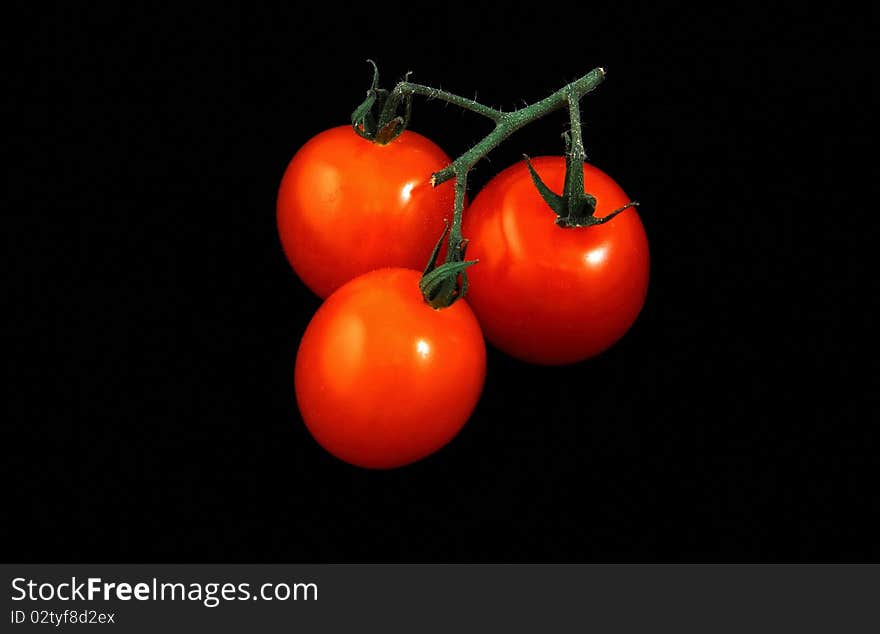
pixel 347 206
pixel 550 295
pixel 382 379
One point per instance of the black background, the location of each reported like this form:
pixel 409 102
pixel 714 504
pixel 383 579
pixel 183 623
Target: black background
pixel 154 321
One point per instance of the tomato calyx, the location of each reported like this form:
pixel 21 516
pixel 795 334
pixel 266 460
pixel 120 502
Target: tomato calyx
pixel 378 118
pixel 442 285
pixel 574 207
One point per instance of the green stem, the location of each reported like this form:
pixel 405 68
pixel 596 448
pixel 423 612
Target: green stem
pixel 409 88
pixel 444 287
pixel 576 147
pixel 510 122
pixel 455 237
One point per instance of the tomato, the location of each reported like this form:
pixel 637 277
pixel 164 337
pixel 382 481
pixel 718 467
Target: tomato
pixel 547 294
pixel 382 379
pixel 347 206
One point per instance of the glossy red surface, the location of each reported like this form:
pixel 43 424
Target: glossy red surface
pixel 550 295
pixel 382 379
pixel 347 206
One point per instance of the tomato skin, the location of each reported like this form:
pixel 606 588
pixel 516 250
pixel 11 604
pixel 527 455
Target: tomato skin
pixel 382 379
pixel 347 206
pixel 546 294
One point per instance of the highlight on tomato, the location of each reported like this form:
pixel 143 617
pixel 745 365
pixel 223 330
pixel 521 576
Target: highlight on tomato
pixel 548 294
pixel 348 205
pixel 382 379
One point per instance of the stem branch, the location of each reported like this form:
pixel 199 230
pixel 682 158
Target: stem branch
pixel 574 115
pixel 444 287
pixel 409 88
pixel 510 122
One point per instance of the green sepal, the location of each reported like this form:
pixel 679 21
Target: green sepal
pixel 375 119
pixel 432 263
pixel 575 207
pixel 443 284
pixel 550 197
pixel 589 221
pixel 389 131
pixel 441 287
pixel 362 119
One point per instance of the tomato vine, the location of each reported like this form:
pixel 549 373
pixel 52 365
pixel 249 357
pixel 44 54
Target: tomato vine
pixel 357 215
pixel 379 119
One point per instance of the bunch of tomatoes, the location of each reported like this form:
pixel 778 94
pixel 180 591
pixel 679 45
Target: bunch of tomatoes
pixel 382 378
